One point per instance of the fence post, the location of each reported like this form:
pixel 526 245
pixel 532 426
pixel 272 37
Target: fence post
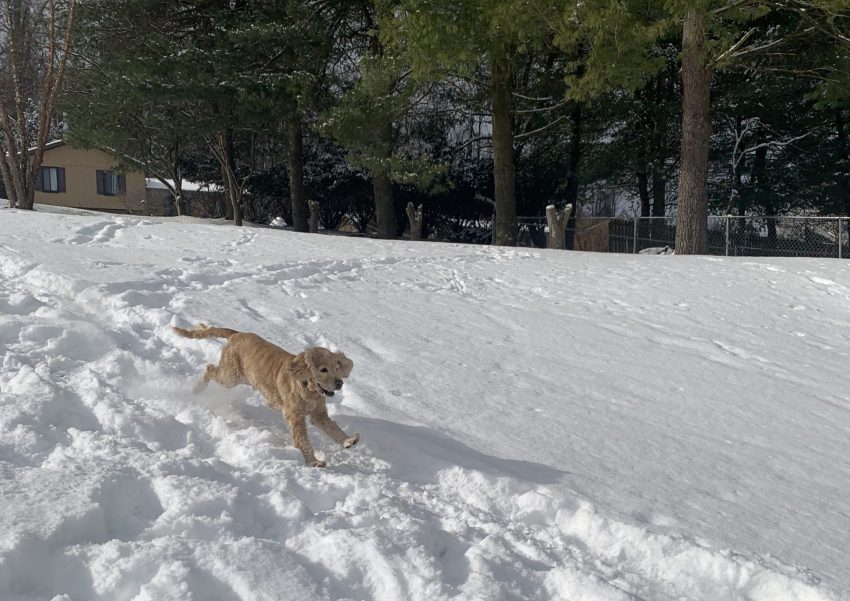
pixel 313 220
pixel 634 241
pixel 727 234
pixel 840 229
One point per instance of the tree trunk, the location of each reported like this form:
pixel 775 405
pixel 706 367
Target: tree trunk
pixel 504 171
pixel 643 195
pixel 692 209
pixel 224 154
pixel 7 181
pixel 296 174
pixel 643 192
pixel 737 164
pixel 177 178
pixel 228 206
pixel 382 185
pixel 14 173
pixel 176 192
pixel 659 194
pixel 382 188
pixel 414 217
pixel 572 174
pixel 233 185
pixel 772 234
pixel 28 199
pixel 234 197
pixel 843 161
pixel 763 191
pixel 737 183
pixel 659 201
pixel 313 222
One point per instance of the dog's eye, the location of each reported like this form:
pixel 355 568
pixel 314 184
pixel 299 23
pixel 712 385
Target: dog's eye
pixel 324 370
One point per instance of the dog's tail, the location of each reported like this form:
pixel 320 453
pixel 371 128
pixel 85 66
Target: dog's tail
pixel 205 331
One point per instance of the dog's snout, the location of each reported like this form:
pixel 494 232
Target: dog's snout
pixel 338 384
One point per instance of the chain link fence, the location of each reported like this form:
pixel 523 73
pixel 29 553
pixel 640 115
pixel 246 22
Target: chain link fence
pixel 730 235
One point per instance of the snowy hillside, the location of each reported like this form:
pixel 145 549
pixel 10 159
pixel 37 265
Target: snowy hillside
pixel 535 424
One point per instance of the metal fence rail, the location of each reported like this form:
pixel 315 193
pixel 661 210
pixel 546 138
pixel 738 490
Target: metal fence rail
pixel 728 235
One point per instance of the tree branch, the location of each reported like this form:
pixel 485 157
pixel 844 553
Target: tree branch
pixel 527 134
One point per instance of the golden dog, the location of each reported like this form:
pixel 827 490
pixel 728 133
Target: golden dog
pixel 295 384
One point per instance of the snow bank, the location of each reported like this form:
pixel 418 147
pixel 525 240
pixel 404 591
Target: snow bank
pixel 535 425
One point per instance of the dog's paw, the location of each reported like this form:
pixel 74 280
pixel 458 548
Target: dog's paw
pixel 351 441
pixel 317 463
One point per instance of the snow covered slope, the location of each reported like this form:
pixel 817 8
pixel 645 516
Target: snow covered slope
pixel 535 424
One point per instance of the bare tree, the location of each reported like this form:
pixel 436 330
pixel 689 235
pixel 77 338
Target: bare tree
pixel 35 39
pixel 742 129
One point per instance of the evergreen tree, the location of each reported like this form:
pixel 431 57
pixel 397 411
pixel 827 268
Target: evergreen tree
pixel 623 39
pixel 113 101
pixel 469 39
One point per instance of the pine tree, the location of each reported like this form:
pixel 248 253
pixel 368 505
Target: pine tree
pixel 466 40
pixel 113 100
pixel 623 40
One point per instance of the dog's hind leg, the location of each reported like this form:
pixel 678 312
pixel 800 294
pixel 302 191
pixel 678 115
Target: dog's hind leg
pixel 298 429
pixel 321 419
pixel 225 374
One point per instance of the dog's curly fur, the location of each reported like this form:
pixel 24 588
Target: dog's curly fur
pixel 295 384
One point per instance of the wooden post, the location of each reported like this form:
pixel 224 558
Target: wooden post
pixel 314 216
pixel 557 222
pixel 415 219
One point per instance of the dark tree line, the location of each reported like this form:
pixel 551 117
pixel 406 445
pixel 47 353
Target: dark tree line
pixel 481 110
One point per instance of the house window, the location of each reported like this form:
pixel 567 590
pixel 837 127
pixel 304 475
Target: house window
pixel 50 179
pixel 110 183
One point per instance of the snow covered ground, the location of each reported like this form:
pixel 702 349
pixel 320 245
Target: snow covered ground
pixel 535 424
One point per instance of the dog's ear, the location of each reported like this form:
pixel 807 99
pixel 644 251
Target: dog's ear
pixel 345 365
pixel 299 367
pixel 311 357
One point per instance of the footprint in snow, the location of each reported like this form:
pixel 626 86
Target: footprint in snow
pixel 100 232
pixel 307 315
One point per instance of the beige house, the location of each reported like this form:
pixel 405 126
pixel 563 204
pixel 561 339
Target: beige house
pixel 86 179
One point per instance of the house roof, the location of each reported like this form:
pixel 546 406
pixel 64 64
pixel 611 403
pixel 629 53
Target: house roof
pixel 49 145
pixel 52 144
pixel 56 143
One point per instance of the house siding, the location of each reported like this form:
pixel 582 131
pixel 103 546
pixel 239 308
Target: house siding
pixel 81 168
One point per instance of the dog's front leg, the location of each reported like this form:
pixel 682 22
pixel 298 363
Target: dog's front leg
pixel 298 429
pixel 321 419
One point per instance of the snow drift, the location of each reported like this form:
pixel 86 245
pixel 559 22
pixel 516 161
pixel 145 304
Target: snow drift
pixel 535 424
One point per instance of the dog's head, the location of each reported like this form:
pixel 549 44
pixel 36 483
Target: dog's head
pixel 321 369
